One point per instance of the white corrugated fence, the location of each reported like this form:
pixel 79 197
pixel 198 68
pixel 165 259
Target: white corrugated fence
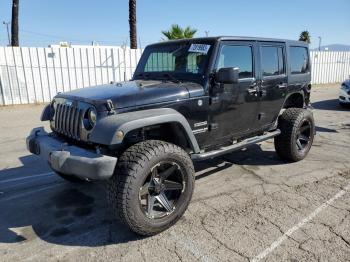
pixel 35 75
pixel 329 67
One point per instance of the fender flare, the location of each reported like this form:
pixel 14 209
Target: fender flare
pixel 300 92
pixel 105 130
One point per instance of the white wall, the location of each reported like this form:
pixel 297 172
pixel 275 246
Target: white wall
pixel 329 67
pixel 34 75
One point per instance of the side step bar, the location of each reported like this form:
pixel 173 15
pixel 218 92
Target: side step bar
pixel 234 147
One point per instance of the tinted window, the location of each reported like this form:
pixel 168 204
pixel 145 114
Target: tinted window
pixel 299 60
pixel 237 56
pixel 175 59
pixel 158 62
pixel 272 62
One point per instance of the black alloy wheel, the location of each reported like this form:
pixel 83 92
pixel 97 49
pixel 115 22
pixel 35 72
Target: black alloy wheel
pixel 162 190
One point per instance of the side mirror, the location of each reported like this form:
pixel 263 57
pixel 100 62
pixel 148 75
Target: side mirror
pixel 227 75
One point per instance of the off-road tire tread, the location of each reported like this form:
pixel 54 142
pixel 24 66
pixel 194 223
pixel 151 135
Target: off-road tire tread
pixel 129 165
pixel 288 124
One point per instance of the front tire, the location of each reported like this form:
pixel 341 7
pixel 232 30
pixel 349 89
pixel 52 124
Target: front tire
pixel 152 186
pixel 297 133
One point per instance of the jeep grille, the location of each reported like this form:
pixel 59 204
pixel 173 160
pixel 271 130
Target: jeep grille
pixel 68 120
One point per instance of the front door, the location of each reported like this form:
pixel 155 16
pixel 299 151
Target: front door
pixel 234 107
pixel 273 85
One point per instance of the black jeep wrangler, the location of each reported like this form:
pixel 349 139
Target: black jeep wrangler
pixel 189 100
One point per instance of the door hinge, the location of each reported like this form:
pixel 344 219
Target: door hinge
pixel 213 126
pixel 214 100
pixel 261 116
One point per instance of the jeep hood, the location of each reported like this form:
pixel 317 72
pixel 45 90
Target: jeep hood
pixel 135 93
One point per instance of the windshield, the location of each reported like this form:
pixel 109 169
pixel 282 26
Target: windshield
pixel 174 61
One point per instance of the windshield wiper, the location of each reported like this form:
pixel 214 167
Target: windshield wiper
pixel 143 75
pixel 171 77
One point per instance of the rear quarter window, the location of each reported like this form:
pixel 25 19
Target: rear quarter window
pixel 299 60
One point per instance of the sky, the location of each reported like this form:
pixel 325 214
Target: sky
pixel 44 22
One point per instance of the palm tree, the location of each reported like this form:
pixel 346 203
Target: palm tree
pixel 132 24
pixel 176 32
pixel 14 23
pixel 305 36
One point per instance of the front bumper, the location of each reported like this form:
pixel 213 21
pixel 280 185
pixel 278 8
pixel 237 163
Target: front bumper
pixel 69 159
pixel 344 97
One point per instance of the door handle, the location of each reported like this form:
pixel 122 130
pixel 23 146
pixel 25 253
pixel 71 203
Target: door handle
pixel 253 85
pixel 281 86
pixel 252 91
pixel 253 88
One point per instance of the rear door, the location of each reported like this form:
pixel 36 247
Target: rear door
pixel 273 84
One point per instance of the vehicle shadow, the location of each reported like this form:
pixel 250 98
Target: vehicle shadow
pixel 325 129
pixel 330 104
pixel 63 213
pixel 54 210
pixel 31 164
pixel 253 155
pixel 68 215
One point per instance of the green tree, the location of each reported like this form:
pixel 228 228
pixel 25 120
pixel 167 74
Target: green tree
pixel 177 32
pixel 14 23
pixel 132 24
pixel 305 36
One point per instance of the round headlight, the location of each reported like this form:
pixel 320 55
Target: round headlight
pixel 345 87
pixel 92 116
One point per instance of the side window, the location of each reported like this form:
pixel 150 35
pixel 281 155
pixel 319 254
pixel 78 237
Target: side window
pixel 237 56
pixel 272 62
pixel 299 60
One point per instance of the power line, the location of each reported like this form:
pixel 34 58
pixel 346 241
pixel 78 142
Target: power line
pixel 26 34
pixel 67 37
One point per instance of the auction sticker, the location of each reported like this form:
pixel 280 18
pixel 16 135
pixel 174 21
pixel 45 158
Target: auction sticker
pixel 199 48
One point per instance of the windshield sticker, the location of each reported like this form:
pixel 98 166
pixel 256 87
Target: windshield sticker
pixel 199 48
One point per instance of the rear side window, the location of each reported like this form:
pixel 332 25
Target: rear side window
pixel 299 60
pixel 272 62
pixel 237 56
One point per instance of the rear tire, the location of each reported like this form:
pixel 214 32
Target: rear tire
pixel 297 133
pixel 146 173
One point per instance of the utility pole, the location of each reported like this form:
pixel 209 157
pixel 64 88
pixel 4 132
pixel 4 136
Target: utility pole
pixel 319 43
pixel 8 31
pixel 14 23
pixel 206 33
pixel 132 24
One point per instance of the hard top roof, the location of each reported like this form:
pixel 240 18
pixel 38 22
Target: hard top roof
pixel 236 38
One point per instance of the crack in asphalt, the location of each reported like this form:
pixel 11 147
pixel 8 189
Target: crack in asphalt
pixel 220 242
pixel 298 190
pixel 190 246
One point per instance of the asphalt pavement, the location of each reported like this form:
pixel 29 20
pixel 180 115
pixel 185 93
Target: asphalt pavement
pixel 247 205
